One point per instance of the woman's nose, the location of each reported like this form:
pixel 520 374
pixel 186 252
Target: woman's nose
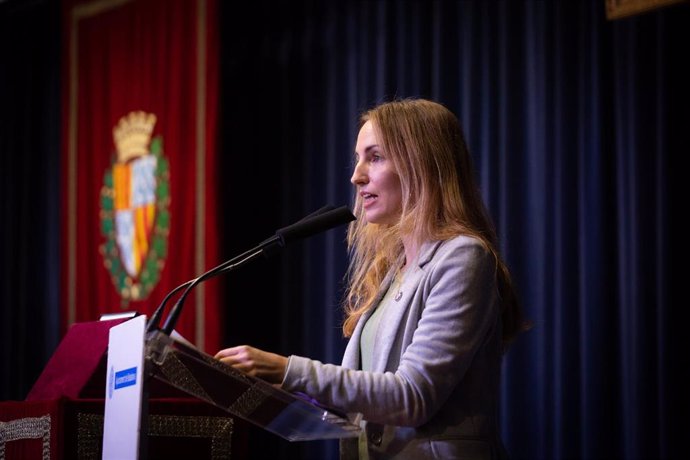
pixel 359 176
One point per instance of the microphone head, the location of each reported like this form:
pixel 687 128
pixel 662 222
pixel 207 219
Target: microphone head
pixel 321 210
pixel 312 225
pixel 275 244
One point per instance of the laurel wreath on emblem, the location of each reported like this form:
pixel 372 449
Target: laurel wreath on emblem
pixel 128 287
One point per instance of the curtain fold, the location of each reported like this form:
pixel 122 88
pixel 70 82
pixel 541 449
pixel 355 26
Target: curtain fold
pixel 29 181
pixel 574 125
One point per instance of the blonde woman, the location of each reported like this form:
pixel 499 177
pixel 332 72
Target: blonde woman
pixel 430 306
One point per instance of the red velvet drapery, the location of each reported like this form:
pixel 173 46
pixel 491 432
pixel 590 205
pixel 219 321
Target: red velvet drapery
pixel 139 216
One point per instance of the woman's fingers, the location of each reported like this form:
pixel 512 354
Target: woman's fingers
pixel 239 357
pixel 255 362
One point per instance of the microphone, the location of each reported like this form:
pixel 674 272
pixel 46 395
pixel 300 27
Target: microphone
pixel 271 248
pixel 321 220
pixel 317 224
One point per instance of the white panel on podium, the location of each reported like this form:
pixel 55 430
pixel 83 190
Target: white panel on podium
pixel 123 391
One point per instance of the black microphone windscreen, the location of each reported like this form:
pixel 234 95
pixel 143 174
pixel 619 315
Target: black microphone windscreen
pixel 321 210
pixel 317 224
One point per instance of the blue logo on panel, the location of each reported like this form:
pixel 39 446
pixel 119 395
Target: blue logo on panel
pixel 125 378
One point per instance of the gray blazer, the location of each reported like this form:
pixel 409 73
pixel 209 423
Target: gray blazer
pixel 433 389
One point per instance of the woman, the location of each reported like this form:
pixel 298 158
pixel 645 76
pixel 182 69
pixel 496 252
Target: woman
pixel 430 306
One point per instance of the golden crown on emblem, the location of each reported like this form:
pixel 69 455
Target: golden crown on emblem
pixel 132 135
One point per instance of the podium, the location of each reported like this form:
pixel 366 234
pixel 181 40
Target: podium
pixel 292 417
pixel 197 407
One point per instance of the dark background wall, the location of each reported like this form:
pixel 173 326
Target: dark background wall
pixel 577 126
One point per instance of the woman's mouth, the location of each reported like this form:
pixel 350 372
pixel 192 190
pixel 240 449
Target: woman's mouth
pixel 368 198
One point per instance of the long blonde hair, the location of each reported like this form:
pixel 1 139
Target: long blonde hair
pixel 441 200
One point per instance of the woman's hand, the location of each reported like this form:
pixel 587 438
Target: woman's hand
pixel 257 363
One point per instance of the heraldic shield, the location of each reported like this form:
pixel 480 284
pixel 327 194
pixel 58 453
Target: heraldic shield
pixel 135 201
pixel 134 205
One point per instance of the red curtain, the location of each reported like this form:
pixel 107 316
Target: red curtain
pixel 139 156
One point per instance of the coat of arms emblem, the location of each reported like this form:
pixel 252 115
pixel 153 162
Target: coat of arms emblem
pixel 134 208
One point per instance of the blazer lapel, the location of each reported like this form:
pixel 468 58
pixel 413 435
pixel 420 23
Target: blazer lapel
pixel 390 330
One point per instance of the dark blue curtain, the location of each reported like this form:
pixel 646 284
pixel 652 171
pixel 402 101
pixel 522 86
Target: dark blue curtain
pixel 576 126
pixel 578 130
pixel 29 162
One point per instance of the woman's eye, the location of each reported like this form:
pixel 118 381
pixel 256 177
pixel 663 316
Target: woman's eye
pixel 376 157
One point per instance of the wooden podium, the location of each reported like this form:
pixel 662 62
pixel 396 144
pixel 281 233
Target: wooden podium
pixel 197 406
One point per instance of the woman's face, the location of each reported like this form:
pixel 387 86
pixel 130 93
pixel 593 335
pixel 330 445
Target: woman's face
pixel 377 182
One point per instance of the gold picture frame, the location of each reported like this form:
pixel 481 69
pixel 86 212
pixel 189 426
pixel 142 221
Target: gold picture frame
pixel 616 9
